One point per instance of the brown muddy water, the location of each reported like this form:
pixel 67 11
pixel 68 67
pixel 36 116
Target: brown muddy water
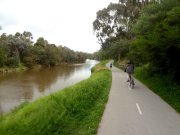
pixel 16 88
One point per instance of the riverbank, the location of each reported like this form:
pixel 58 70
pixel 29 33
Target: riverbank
pixel 168 90
pixel 21 67
pixel 10 70
pixel 75 110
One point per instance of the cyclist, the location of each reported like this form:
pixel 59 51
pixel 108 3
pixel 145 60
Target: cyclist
pixel 129 68
pixel 110 65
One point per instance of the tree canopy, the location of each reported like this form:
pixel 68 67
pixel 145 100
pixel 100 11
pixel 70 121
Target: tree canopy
pixel 146 32
pixel 19 49
pixel 158 37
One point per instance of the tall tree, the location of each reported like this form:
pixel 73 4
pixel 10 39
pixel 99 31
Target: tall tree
pixel 115 21
pixel 158 37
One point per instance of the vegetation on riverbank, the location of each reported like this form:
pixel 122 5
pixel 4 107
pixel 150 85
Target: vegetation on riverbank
pixel 9 69
pixel 19 49
pixel 76 110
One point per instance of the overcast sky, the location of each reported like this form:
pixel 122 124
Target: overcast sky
pixel 62 22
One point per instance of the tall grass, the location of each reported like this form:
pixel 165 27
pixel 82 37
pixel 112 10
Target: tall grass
pixel 76 110
pixel 161 85
pixel 100 66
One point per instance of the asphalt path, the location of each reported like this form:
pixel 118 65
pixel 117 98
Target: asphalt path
pixel 136 111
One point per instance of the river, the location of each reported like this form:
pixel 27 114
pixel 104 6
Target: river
pixel 15 88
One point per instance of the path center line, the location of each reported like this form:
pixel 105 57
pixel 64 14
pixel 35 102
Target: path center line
pixel 139 109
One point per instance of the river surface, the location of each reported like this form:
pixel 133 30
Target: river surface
pixel 15 88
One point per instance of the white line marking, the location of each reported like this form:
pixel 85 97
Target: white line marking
pixel 139 110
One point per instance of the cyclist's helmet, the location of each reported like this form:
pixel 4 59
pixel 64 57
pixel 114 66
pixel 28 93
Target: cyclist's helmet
pixel 129 62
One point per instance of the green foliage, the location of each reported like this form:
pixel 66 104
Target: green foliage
pixel 100 66
pixel 19 48
pixel 159 38
pixel 119 49
pixel 76 110
pixel 113 28
pixel 41 42
pixel 115 21
pixel 12 62
pixel 152 14
pixel 14 49
pixel 136 53
pixel 155 43
pixel 116 51
pixel 1 57
pixel 69 55
pixel 153 39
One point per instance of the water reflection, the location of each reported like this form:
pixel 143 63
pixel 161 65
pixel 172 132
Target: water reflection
pixel 16 88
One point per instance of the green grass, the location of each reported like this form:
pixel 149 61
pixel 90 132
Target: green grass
pixel 100 66
pixel 166 89
pixel 77 110
pixel 20 68
pixel 121 64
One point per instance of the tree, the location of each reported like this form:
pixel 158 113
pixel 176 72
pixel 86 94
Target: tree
pixel 4 46
pixel 14 49
pixel 116 20
pixel 113 26
pixel 1 57
pixel 19 48
pixel 26 37
pixel 158 40
pixel 41 42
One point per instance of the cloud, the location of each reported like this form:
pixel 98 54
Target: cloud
pixel 62 22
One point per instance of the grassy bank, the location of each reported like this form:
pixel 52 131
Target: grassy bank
pixel 166 89
pixel 76 110
pixel 9 70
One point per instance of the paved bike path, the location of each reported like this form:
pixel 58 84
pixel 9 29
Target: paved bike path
pixel 136 111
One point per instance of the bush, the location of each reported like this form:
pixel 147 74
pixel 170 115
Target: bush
pixel 12 62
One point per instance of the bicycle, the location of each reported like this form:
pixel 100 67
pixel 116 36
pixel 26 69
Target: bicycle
pixel 131 81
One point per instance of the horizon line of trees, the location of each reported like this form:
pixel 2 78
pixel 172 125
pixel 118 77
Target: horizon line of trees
pixel 146 32
pixel 19 49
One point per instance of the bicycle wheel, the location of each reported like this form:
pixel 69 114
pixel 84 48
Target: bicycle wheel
pixel 131 83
